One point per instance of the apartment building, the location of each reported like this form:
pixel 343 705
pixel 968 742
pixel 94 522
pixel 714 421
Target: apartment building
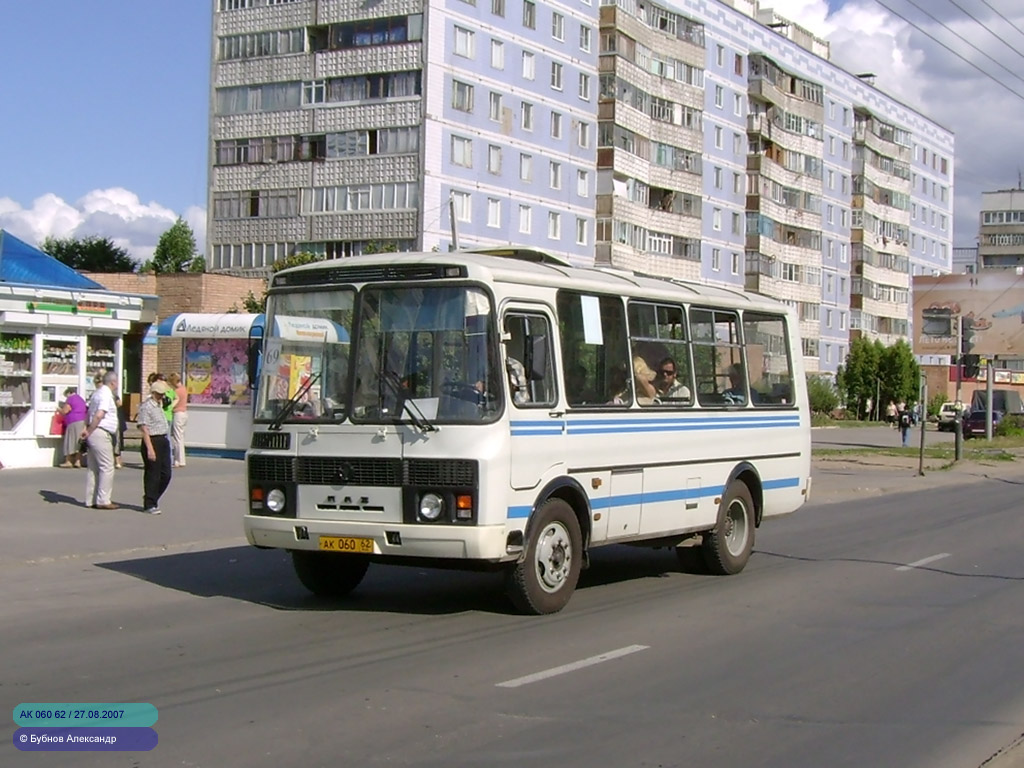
pixel 699 139
pixel 1001 230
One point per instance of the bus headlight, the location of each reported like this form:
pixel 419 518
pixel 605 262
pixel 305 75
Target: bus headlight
pixel 276 500
pixel 431 506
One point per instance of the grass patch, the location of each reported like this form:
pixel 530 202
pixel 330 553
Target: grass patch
pixel 988 452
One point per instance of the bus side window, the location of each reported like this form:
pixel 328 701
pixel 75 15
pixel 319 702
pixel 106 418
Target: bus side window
pixel 528 367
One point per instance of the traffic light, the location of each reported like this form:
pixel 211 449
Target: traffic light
pixel 972 366
pixel 966 335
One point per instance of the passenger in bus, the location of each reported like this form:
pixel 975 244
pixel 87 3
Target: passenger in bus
pixel 619 386
pixel 644 376
pixel 668 384
pixel 576 390
pixel 736 394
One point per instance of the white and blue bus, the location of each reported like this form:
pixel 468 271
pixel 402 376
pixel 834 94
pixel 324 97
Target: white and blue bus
pixel 503 409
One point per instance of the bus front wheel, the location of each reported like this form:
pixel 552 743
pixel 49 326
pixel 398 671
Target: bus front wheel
pixel 327 574
pixel 727 548
pixel 545 579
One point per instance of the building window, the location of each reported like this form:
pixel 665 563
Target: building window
pixel 527 116
pixel 493 212
pixel 737 224
pixel 463 42
pixel 525 219
pixel 737 104
pixel 529 14
pixel 556 125
pixel 529 66
pixel 737 65
pixel 582 183
pixel 314 92
pixel 497 54
pixel 581 231
pixel 556 76
pixel 583 135
pixel 719 96
pixel 526 167
pixel 555 175
pixel 736 265
pixel 718 178
pixel 494 159
pixel 554 225
pixel 737 183
pixel 585 33
pixel 498 8
pixel 716 259
pixel 494 106
pixel 462 151
pixel 718 137
pixel 462 96
pixel 719 56
pixel 716 219
pixel 557 26
pixel 584 87
pixel 462 206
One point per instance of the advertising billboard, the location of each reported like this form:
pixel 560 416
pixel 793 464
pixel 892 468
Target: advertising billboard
pixel 990 304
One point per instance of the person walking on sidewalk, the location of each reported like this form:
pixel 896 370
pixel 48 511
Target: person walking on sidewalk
pixel 179 413
pixel 156 447
pixel 904 421
pixel 99 434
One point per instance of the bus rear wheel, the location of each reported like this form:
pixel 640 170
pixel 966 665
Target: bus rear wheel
pixel 545 579
pixel 327 574
pixel 727 548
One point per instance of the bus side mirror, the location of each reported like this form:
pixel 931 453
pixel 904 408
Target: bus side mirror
pixel 253 367
pixel 536 362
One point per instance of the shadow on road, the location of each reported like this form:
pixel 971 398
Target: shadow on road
pixel 932 569
pixel 265 577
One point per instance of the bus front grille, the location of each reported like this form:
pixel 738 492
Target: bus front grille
pixel 333 470
pixel 278 441
pixel 271 469
pixel 441 473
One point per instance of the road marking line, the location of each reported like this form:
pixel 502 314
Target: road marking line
pixel 925 561
pixel 572 667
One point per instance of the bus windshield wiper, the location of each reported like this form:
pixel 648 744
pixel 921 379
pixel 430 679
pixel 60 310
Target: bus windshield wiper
pixel 292 402
pixel 416 416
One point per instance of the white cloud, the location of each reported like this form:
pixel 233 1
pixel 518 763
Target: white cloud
pixel 914 68
pixel 116 213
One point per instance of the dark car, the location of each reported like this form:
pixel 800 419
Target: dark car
pixel 974 423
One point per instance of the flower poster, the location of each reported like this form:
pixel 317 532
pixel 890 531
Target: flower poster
pixel 216 371
pixel 198 370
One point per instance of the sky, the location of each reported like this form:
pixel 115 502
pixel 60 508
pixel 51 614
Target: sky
pixel 105 104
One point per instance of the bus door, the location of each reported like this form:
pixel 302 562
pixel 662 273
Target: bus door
pixel 537 425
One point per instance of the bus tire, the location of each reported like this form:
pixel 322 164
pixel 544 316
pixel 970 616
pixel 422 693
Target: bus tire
pixel 327 574
pixel 727 548
pixel 545 579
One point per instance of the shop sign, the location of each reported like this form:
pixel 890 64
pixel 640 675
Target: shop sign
pixel 71 307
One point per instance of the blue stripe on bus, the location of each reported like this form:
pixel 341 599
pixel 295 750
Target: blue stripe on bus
pixel 656 497
pixel 624 426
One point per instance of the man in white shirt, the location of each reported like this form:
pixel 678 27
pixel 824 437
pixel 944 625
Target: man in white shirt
pixel 100 432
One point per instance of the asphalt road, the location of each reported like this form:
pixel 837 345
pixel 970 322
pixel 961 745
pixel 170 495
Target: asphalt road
pixel 861 634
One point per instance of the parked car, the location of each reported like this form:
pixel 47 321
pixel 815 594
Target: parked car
pixel 947 415
pixel 974 423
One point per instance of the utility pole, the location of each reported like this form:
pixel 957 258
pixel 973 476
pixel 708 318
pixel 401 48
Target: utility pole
pixel 958 417
pixel 922 411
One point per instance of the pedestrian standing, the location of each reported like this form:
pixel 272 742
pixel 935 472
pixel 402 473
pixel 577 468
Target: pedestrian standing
pixel 99 434
pixel 156 447
pixel 75 411
pixel 179 414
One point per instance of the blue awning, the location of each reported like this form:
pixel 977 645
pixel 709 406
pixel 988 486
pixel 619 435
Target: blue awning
pixel 25 265
pixel 229 325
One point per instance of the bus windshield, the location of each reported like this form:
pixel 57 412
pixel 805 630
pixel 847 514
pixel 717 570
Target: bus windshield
pixel 426 353
pixel 306 358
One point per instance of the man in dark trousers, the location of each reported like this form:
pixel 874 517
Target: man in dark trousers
pixel 156 447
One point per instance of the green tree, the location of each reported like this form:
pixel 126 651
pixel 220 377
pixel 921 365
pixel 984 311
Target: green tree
pixel 89 254
pixel 380 246
pixel 175 250
pixel 822 394
pixel 899 373
pixel 198 264
pixel 860 376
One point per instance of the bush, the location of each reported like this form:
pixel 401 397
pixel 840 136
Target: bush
pixel 1010 426
pixel 935 404
pixel 821 394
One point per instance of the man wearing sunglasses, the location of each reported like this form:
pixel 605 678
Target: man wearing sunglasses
pixel 668 384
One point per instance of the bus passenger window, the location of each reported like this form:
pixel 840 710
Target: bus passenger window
pixel 529 372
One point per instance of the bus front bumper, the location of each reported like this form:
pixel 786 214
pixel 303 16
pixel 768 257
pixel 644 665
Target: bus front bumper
pixel 445 542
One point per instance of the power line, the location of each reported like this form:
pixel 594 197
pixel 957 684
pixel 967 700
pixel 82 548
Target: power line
pixel 984 26
pixel 960 56
pixel 1001 16
pixel 965 40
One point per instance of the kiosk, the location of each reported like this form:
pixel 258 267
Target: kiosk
pixel 218 355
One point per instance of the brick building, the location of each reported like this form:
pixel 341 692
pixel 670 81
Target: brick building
pixel 177 292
